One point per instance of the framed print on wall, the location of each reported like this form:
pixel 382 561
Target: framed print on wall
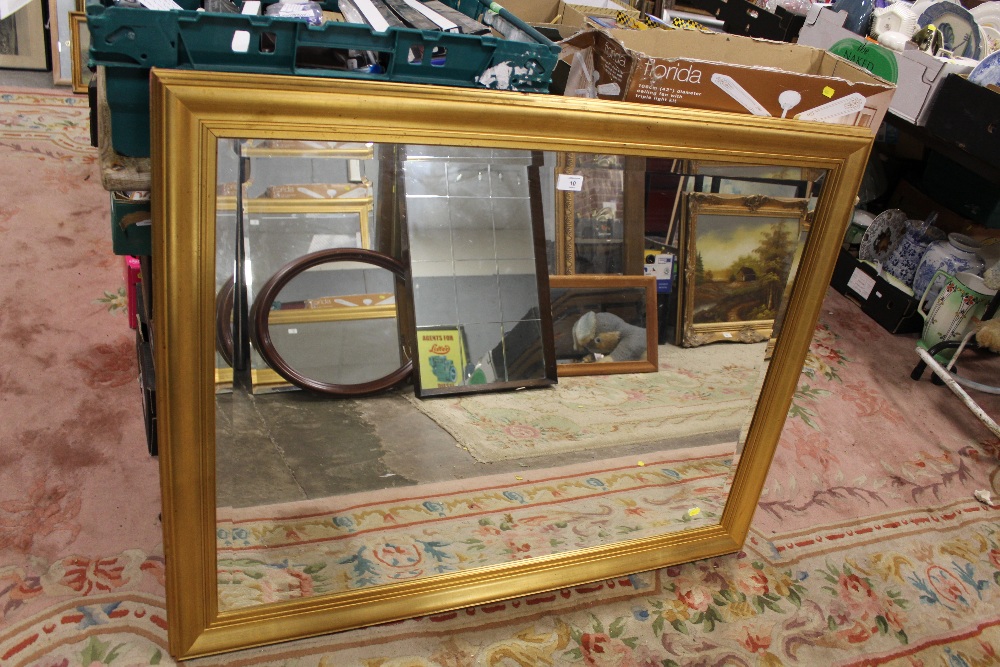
pixel 22 38
pixel 739 253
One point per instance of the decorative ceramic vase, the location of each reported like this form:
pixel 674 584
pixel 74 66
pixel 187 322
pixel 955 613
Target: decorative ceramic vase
pixel 956 254
pixel 902 263
pixel 959 304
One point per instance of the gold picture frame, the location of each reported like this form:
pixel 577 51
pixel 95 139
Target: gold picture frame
pixel 630 299
pixel 193 110
pixel 732 287
pixel 79 51
pixel 601 214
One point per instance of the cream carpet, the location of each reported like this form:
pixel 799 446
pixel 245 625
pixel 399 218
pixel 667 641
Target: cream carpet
pixel 696 391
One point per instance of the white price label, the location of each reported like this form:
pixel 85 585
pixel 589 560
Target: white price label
pixel 861 283
pixel 726 334
pixel 569 182
pixel 293 331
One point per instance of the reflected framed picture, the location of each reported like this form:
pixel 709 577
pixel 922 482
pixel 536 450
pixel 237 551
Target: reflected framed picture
pixel 601 213
pixel 604 324
pixel 739 254
pixel 22 38
pixel 80 41
pixel 443 357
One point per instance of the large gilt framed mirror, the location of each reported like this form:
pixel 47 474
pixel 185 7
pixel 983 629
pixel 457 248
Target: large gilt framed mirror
pixel 294 513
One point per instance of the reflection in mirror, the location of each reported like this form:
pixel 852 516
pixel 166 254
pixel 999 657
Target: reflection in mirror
pixel 227 180
pixel 604 324
pixel 333 512
pixel 473 221
pixel 300 197
pixel 327 322
pixel 740 252
pixel 318 494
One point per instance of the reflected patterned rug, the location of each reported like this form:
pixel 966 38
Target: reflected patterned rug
pixel 693 387
pixel 332 545
pixel 867 547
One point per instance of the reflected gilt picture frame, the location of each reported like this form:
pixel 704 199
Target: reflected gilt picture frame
pixel 585 307
pixel 739 254
pixel 79 51
pixel 192 111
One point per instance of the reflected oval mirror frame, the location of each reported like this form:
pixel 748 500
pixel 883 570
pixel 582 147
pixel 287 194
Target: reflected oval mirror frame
pixel 261 332
pixel 192 111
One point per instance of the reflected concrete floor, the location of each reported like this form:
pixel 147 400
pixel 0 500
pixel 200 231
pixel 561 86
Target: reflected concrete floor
pixel 289 446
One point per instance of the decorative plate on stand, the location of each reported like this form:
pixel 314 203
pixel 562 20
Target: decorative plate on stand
pixel 882 236
pixel 958 27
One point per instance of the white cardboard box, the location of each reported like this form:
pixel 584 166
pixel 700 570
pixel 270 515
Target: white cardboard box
pixel 919 73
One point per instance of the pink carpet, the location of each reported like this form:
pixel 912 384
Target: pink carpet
pixel 867 547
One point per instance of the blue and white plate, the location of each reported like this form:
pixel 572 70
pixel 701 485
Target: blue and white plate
pixel 987 72
pixel 958 27
pixel 882 236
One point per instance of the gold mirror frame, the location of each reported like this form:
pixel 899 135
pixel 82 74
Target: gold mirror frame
pixel 193 110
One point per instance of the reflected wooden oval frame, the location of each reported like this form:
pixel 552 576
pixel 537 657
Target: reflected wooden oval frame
pixel 193 110
pixel 261 311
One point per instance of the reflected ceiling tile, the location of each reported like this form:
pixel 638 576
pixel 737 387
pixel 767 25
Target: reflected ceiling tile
pixel 425 178
pixel 423 213
pixel 467 179
pixel 478 299
pixel 518 296
pixel 508 180
pixel 432 268
pixel 435 300
pixel 512 213
pixel 476 267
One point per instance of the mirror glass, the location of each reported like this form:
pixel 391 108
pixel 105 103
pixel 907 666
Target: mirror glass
pixel 320 494
pixel 476 251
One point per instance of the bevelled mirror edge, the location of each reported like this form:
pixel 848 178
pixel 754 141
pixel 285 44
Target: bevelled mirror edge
pixel 193 109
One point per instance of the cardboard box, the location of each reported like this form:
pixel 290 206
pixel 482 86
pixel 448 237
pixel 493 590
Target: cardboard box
pixel 728 73
pixel 968 115
pixel 894 309
pixel 559 12
pixel 918 74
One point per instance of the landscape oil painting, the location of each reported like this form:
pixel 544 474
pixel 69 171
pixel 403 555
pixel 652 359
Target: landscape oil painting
pixel 740 252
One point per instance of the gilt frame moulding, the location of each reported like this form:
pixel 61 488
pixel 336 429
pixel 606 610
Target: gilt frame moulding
pixel 191 110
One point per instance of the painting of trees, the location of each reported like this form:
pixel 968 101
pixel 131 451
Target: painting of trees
pixel 749 286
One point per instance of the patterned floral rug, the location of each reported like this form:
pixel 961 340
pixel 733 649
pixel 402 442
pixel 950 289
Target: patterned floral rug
pixel 867 548
pixel 292 550
pixel 698 386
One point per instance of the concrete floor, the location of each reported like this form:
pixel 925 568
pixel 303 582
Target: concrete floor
pixel 290 446
pixel 22 78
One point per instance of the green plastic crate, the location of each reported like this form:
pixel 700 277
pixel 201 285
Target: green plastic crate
pixel 129 41
pixel 131 231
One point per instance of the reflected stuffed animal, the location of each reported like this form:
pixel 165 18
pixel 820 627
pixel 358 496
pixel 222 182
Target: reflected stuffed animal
pixel 609 335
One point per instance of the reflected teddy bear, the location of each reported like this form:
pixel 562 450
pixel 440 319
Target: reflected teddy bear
pixel 609 335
